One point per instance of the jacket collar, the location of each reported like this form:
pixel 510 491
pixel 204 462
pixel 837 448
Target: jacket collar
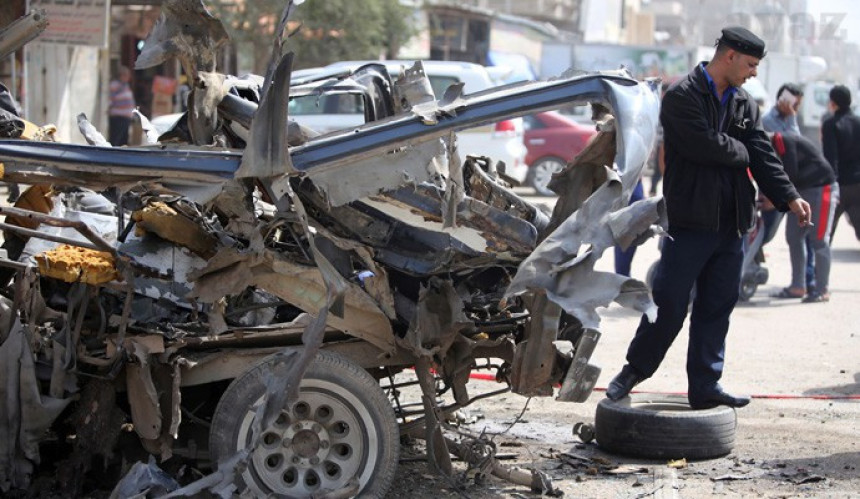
pixel 700 81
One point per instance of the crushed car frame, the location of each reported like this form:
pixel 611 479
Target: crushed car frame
pixel 242 290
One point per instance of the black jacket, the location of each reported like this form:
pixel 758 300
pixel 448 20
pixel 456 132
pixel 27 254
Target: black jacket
pixel 804 163
pixel 701 157
pixel 840 135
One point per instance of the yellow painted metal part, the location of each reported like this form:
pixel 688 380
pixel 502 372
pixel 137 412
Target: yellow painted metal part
pixel 75 264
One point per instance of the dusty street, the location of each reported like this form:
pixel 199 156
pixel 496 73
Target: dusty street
pixel 788 444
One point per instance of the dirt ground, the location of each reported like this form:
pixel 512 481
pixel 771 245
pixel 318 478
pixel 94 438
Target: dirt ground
pixel 792 445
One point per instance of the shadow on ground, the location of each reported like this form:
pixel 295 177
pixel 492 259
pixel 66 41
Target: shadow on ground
pixel 847 389
pixel 845 255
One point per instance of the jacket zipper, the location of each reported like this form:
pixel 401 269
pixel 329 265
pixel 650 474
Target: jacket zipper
pixel 715 121
pixel 735 187
pixel 730 112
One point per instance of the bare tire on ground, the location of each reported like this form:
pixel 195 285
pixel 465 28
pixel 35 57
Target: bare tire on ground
pixel 664 427
pixel 540 173
pixel 342 428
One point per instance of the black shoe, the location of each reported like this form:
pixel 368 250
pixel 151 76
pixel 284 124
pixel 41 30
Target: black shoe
pixel 621 384
pixel 717 397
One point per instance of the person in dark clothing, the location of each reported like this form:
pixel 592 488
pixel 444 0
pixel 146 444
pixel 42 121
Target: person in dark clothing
pixel 624 258
pixel 814 179
pixel 713 138
pixel 840 137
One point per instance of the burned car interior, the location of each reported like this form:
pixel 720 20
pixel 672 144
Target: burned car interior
pixel 241 291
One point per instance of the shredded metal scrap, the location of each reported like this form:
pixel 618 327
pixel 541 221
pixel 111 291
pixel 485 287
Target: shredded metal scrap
pixel 254 235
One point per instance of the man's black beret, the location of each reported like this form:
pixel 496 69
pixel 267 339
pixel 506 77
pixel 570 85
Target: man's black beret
pixel 742 40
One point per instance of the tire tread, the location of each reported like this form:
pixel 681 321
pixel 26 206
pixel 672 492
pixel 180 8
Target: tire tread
pixel 633 427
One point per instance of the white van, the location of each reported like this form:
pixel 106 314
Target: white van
pixel 816 97
pixel 502 141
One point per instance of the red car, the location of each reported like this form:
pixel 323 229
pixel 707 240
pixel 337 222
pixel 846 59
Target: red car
pixel 552 140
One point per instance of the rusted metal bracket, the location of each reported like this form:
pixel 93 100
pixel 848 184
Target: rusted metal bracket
pixel 581 376
pixel 83 229
pixel 21 31
pixel 534 359
pixel 437 450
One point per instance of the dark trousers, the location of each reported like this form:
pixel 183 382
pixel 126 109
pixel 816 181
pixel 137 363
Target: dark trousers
pixel 772 219
pixel 118 130
pixel 849 202
pixel 712 261
pixel 624 258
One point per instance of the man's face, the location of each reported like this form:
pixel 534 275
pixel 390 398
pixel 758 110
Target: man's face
pixel 741 67
pixel 789 106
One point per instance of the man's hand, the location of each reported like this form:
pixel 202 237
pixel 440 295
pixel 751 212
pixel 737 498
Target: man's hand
pixel 785 108
pixel 804 213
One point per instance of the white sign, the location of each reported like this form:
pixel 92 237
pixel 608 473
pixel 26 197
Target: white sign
pixel 75 22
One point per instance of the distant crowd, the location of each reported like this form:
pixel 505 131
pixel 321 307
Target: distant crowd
pixel 827 176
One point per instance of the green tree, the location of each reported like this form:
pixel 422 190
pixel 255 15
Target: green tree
pixel 328 30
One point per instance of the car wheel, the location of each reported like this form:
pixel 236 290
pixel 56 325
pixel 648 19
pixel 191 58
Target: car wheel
pixel 540 173
pixel 748 288
pixel 664 427
pixel 341 427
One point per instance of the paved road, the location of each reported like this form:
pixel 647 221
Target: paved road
pixel 794 446
pixel 820 342
pixel 775 348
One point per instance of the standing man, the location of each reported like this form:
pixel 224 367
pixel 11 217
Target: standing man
pixel 783 116
pixel 121 107
pixel 815 180
pixel 713 138
pixel 840 135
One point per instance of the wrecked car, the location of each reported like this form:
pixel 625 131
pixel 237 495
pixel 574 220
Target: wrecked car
pixel 242 291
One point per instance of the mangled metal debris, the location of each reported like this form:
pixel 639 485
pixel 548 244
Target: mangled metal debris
pixel 242 235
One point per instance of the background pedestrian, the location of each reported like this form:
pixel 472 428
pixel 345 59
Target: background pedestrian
pixel 121 107
pixel 840 135
pixel 815 180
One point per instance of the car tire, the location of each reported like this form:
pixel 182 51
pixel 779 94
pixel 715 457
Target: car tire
pixel 342 426
pixel 664 427
pixel 747 289
pixel 540 173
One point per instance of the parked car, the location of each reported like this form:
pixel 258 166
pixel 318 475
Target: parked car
pixel 579 113
pixel 501 141
pixel 243 297
pixel 332 111
pixel 552 140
